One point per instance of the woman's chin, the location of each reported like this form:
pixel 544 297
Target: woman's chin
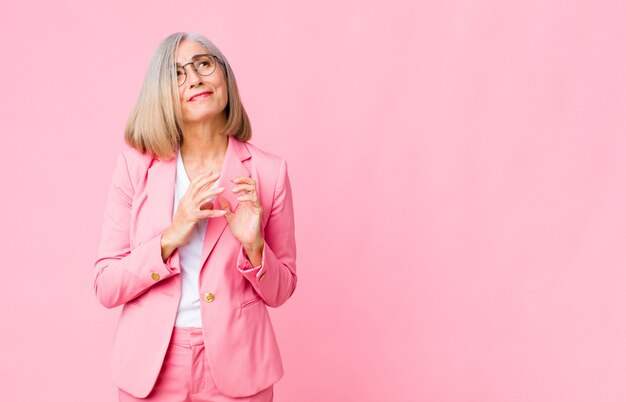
pixel 200 117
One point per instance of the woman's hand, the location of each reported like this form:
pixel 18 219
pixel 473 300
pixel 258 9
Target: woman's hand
pixel 192 207
pixel 245 222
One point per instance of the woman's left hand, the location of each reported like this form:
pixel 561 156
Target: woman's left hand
pixel 245 222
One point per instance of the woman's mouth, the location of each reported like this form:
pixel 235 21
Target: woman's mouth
pixel 201 95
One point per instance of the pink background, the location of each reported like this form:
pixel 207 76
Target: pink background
pixel 459 179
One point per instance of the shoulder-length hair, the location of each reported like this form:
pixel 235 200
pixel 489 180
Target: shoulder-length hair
pixel 154 124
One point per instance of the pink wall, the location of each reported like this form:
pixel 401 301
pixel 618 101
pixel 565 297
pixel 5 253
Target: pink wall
pixel 459 179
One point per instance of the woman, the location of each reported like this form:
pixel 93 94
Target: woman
pixel 198 238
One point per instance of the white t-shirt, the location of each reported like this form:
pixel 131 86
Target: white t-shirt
pixel 190 254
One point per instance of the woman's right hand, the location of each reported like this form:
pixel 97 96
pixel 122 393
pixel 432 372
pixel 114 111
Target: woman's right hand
pixel 192 207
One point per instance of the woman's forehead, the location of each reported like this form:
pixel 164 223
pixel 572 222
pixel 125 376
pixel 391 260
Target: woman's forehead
pixel 188 50
pixel 192 58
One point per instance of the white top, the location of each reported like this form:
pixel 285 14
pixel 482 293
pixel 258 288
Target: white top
pixel 190 254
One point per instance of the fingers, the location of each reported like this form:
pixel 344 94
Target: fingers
pixel 247 198
pixel 243 179
pixel 224 204
pixel 202 196
pixel 206 205
pixel 248 186
pixel 212 213
pixel 202 180
pixel 244 184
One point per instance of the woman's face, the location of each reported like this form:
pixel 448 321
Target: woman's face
pixel 204 108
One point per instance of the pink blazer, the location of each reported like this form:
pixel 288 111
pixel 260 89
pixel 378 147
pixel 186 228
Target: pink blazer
pixel 239 338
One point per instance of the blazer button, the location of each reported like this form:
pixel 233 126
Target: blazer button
pixel 209 297
pixel 156 276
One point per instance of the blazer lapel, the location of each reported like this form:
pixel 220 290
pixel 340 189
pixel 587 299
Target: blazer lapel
pixel 232 167
pixel 160 192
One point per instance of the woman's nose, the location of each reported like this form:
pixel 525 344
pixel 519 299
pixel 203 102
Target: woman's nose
pixel 193 76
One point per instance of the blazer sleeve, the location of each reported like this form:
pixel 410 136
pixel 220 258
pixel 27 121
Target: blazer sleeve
pixel 121 274
pixel 275 279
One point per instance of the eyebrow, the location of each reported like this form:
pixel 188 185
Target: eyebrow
pixel 194 57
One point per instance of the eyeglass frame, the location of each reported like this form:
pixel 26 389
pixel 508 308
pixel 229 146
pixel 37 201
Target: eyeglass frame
pixel 197 56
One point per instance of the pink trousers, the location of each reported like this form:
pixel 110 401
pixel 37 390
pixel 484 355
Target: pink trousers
pixel 185 375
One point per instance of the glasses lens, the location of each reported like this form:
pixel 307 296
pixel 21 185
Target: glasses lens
pixel 205 65
pixel 180 75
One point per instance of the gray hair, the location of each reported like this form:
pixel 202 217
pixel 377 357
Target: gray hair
pixel 154 124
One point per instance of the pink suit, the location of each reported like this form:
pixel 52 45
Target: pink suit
pixel 240 344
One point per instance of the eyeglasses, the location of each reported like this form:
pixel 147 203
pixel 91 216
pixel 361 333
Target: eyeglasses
pixel 204 64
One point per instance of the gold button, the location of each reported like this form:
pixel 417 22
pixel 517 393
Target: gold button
pixel 156 276
pixel 209 297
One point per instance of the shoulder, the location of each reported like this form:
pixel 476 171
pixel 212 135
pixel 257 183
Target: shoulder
pixel 134 156
pixel 270 170
pixel 265 161
pixel 135 162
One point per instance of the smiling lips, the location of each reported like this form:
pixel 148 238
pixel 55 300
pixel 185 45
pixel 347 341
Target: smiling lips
pixel 200 95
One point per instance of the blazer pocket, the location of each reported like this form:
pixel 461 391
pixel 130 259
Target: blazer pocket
pixel 251 302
